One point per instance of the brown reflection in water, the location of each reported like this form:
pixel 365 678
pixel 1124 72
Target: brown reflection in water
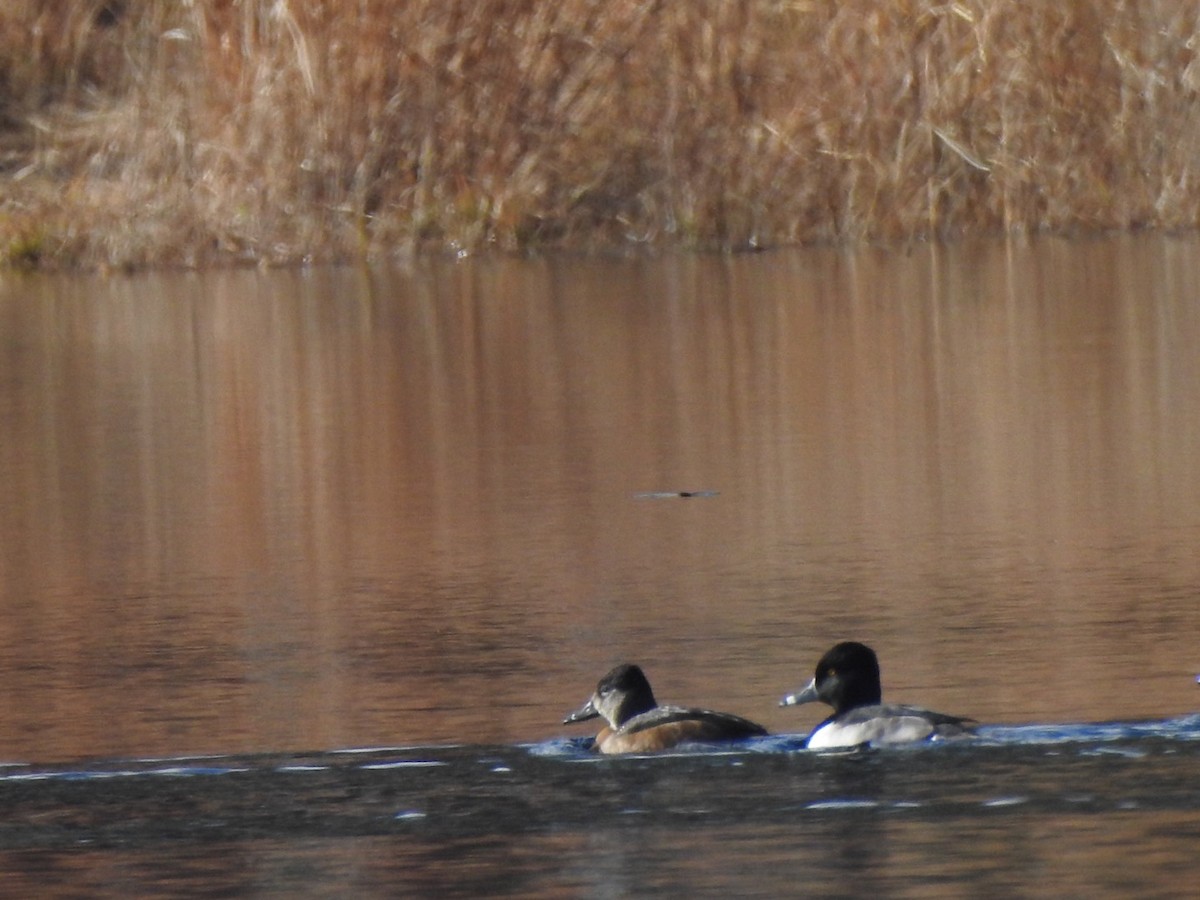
pixel 820 854
pixel 310 509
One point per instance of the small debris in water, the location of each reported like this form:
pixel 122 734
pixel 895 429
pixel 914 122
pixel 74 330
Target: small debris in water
pixel 669 495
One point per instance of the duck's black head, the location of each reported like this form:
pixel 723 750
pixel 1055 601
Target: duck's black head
pixel 847 677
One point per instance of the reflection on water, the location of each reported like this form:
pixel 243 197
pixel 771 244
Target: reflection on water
pixel 291 511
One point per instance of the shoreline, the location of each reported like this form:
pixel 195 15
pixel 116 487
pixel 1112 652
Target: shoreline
pixel 259 133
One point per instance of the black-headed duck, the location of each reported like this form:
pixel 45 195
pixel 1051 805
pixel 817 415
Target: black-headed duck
pixel 847 678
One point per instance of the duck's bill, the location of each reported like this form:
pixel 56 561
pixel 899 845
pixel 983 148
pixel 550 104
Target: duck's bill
pixel 585 712
pixel 807 695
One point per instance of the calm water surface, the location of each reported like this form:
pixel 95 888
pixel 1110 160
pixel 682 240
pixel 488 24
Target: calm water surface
pixel 254 519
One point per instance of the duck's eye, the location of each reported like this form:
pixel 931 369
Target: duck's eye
pixel 831 673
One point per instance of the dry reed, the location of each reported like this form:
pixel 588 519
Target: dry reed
pixel 169 132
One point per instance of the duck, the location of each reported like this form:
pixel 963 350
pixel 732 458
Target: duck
pixel 635 723
pixel 847 678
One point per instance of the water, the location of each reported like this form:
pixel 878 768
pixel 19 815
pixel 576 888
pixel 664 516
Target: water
pixel 1039 810
pixel 253 518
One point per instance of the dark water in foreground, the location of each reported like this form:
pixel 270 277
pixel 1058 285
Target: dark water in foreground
pixel 1021 811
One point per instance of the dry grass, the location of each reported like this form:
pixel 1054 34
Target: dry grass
pixel 168 132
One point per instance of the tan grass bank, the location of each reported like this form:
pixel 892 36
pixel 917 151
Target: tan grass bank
pixel 169 132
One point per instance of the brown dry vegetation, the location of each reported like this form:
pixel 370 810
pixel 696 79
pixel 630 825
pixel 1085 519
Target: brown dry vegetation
pixel 172 132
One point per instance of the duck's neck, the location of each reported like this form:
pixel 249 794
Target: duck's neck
pixel 858 693
pixel 631 706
